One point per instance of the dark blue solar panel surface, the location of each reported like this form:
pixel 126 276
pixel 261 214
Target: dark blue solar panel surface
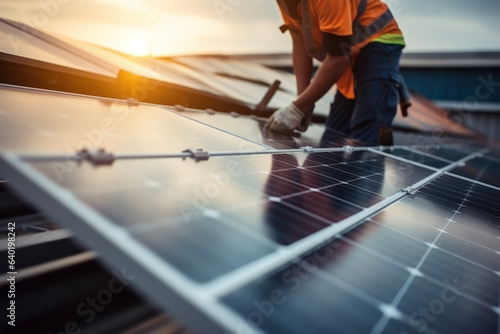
pixel 275 199
pixel 254 131
pixel 452 277
pixel 485 170
pixel 227 216
pixel 416 156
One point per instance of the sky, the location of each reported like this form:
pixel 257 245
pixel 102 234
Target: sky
pixel 172 27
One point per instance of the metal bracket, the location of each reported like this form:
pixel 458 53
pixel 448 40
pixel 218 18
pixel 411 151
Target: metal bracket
pixel 131 102
pixel 179 108
pixel 348 148
pixel 307 149
pixel 197 155
pixel 96 157
pixel 410 190
pixel 262 106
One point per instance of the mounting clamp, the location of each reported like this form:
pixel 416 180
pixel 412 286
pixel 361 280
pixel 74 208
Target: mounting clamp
pixel 197 155
pixel 96 157
pixel 131 102
pixel 410 190
pixel 348 149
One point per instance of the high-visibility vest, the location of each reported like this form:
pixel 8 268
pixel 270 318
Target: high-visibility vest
pixel 360 33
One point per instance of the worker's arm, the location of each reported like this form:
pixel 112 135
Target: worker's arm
pixel 302 63
pixel 327 75
pixel 289 118
pixel 337 60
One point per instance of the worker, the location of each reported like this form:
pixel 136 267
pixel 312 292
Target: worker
pixel 359 44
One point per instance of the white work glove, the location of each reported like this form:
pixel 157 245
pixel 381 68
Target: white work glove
pixel 285 119
pixel 304 124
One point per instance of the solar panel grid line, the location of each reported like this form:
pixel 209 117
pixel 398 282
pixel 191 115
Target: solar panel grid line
pixel 421 223
pixel 333 179
pixel 248 231
pixel 218 128
pixel 445 250
pixel 444 170
pixel 492 158
pixel 439 173
pixel 474 206
pixel 347 287
pixel 395 314
pixel 410 148
pixel 380 326
pixel 244 275
pixel 497 310
pixel 403 159
pixel 411 270
pixel 473 180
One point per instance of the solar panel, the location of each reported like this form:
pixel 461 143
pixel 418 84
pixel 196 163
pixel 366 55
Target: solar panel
pixel 35 120
pixel 24 41
pixel 266 236
pixel 254 130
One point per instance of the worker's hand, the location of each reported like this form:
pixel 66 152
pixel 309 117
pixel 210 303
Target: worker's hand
pixel 304 124
pixel 285 119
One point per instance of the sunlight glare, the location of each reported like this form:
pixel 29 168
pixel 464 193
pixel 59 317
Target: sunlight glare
pixel 136 45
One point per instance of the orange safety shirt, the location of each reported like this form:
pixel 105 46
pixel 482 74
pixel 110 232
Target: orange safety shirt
pixel 336 17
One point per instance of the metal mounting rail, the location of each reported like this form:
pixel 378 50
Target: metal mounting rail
pixel 101 157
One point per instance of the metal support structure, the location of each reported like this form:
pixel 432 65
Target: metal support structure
pixel 262 106
pixel 101 157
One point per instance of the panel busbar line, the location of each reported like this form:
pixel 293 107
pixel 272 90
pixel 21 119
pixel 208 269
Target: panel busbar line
pixel 118 247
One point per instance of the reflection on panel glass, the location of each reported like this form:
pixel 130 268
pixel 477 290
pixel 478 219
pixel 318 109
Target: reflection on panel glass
pixel 420 158
pixel 444 309
pixel 481 169
pixel 298 300
pixel 281 197
pixel 448 153
pixel 204 249
pixel 253 129
pixel 33 121
pixel 417 255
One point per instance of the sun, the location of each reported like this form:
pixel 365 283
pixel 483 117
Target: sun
pixel 136 46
